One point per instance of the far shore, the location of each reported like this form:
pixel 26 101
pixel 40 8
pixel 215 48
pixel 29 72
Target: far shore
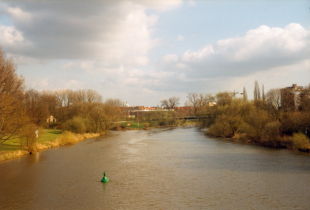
pixel 305 149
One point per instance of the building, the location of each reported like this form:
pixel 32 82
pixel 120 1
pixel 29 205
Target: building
pixel 51 120
pixel 211 103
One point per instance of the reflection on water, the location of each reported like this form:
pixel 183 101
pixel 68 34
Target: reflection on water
pixel 157 169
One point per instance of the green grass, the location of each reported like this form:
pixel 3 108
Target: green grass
pixel 49 135
pixel 10 145
pixel 133 124
pixel 45 136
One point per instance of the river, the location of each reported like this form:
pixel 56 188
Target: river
pixel 157 169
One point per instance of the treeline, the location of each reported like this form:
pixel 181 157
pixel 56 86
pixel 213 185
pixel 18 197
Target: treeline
pixel 78 111
pixel 275 119
pixel 23 111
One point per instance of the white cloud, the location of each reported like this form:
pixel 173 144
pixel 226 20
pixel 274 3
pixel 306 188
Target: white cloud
pixel 101 45
pixel 114 32
pixel 258 50
pixel 10 36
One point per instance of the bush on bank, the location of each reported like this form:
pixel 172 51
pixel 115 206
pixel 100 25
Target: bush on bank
pixel 252 122
pixel 77 125
pixel 300 141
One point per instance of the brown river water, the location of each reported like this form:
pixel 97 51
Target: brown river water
pixel 157 169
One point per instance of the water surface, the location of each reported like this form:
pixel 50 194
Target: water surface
pixel 157 169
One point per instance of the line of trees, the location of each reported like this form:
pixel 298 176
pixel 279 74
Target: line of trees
pixel 24 111
pixel 79 111
pixel 262 120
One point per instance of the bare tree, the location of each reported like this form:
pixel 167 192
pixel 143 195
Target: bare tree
pixel 244 94
pixel 40 105
pixel 114 102
pixel 170 103
pixel 12 113
pixel 263 93
pixel 273 97
pixel 93 96
pixel 199 101
pixel 257 95
pixel 63 98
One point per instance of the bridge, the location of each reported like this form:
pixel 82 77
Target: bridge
pixel 193 117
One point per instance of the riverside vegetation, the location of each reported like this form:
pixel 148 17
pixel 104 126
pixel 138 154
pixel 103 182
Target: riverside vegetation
pixel 26 115
pixel 68 116
pixel 266 120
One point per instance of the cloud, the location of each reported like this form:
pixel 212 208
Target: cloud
pixel 258 50
pixel 115 32
pixel 10 36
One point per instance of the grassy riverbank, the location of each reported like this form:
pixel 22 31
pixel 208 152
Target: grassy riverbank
pixel 49 138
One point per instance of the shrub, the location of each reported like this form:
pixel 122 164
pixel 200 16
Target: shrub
pixel 257 120
pixel 77 125
pixel 220 129
pixel 271 131
pixel 226 126
pixel 300 141
pixel 146 125
pixel 29 139
pixel 295 122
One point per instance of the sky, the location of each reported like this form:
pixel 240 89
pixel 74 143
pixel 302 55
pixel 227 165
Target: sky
pixel 144 51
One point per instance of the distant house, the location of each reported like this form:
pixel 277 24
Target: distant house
pixel 291 97
pixel 211 103
pixel 51 119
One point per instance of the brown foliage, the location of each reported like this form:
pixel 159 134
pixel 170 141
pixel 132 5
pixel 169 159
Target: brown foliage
pixel 224 98
pixel 12 112
pixel 244 119
pixel 294 122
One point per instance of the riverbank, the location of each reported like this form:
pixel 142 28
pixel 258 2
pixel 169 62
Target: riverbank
pixel 50 138
pixel 297 142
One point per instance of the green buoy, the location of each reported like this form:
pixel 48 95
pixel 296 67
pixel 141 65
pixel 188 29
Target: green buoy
pixel 104 179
